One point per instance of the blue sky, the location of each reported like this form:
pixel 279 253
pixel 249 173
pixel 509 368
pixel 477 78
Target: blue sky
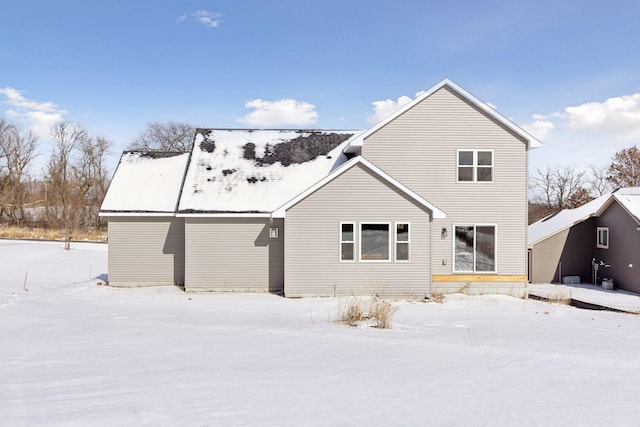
pixel 567 71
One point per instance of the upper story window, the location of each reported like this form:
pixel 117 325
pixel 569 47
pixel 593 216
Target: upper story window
pixel 603 238
pixel 475 165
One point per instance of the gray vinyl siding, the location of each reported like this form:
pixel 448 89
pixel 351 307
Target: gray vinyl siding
pixel 419 148
pixel 545 258
pixel 233 254
pixel 146 251
pixel 312 248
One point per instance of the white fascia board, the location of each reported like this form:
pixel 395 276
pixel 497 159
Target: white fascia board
pixel 108 214
pixel 225 215
pixel 532 141
pixel 435 212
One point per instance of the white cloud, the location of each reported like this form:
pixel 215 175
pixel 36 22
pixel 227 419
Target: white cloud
pixel 540 127
pixel 204 17
pixel 277 113
pixel 36 115
pixel 384 108
pixel 619 117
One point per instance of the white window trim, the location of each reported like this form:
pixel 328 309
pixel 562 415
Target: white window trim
pixel 360 224
pixel 602 245
pixel 353 242
pixel 453 247
pixel 475 165
pixel 395 241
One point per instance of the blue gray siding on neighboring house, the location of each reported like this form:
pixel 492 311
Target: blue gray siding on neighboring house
pixel 146 251
pixel 419 149
pixel 233 254
pixel 312 248
pixel 623 254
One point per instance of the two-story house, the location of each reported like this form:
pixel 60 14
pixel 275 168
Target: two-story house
pixel 431 199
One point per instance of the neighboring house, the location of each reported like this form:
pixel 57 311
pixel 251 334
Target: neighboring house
pixel 431 199
pixel 605 231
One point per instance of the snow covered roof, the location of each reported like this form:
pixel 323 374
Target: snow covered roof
pixel 629 198
pixel 435 212
pixel 146 182
pixel 532 142
pixel 257 171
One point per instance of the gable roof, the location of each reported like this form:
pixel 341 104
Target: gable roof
pixel 256 171
pixel 359 160
pixel 146 182
pixel 629 199
pixel 532 142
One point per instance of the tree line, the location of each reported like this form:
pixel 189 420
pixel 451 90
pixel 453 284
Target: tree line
pixel 67 193
pixel 558 188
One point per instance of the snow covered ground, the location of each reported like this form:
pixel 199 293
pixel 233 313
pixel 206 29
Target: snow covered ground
pixel 75 353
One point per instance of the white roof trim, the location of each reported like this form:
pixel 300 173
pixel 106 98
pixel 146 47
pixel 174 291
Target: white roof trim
pixel 224 215
pixel 435 212
pixel 583 212
pixel 357 141
pixel 108 214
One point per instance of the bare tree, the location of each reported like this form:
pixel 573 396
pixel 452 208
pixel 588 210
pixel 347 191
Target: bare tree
pixel 18 147
pixel 65 202
pixel 624 170
pixel 598 180
pixel 555 186
pixel 90 176
pixel 165 136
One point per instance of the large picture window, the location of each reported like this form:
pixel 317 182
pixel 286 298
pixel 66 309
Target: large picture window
pixel 475 165
pixel 347 241
pixel 374 242
pixel 475 249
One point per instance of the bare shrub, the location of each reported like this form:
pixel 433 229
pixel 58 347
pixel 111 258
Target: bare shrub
pixel 360 311
pixel 437 296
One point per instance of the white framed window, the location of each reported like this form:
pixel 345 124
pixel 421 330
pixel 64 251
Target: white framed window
pixel 602 239
pixel 474 248
pixel 375 241
pixel 347 241
pixel 402 240
pixel 475 165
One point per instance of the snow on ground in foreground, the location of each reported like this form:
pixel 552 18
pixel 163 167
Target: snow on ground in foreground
pixel 74 353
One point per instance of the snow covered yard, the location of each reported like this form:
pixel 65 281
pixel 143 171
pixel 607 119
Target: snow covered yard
pixel 74 353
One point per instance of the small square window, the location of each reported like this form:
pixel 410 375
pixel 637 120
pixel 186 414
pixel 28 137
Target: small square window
pixel 475 165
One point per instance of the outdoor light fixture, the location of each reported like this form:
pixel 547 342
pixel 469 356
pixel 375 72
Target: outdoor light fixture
pixel 443 234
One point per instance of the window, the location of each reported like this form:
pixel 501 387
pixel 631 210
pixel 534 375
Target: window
pixel 603 238
pixel 374 242
pixel 402 242
pixel 347 241
pixel 475 165
pixel 475 249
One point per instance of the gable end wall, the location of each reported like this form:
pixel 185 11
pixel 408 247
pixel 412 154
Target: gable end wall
pixel 419 149
pixel 312 248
